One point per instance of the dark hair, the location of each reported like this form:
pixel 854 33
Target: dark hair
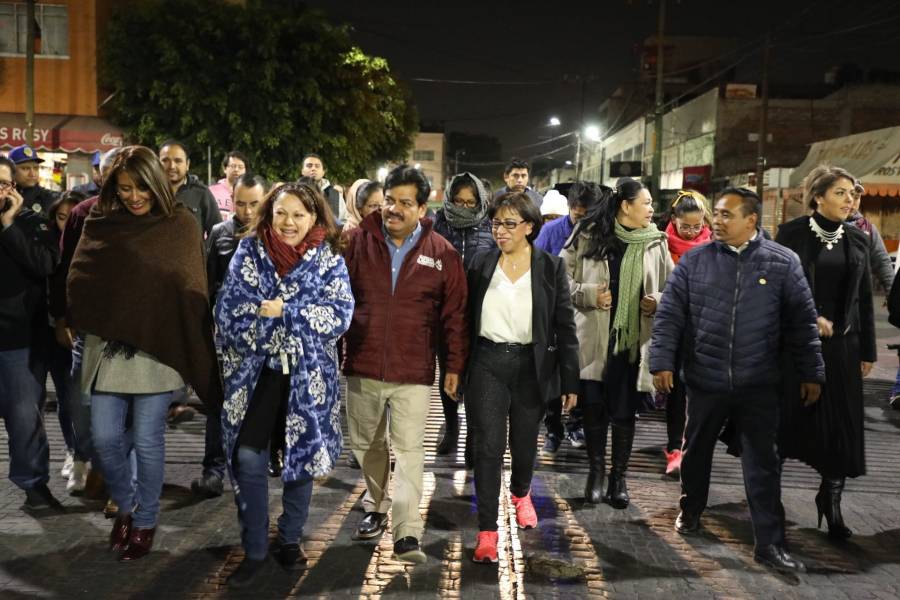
pixel 820 180
pixel 179 143
pixel 583 193
pixel 143 165
pixel 687 201
pixel 487 186
pixel 235 154
pixel 601 218
pixel 249 180
pixel 515 163
pixel 70 197
pixel 364 191
pixel 312 200
pixel 12 166
pixel 522 204
pixel 750 202
pixel 407 175
pixel 464 181
pixel 312 155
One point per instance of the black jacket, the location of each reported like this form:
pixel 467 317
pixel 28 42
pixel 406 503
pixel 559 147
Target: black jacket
pixel 552 316
pixel 220 248
pixel 333 200
pixel 28 255
pixel 37 196
pixel 859 311
pixel 200 201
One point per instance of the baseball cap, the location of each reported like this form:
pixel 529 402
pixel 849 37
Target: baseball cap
pixel 24 153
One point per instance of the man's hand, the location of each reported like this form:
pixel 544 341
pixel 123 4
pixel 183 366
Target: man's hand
pixel 826 327
pixel 271 308
pixel 568 402
pixel 604 297
pixel 648 306
pixel 866 368
pixel 63 334
pixel 809 393
pixel 451 384
pixel 664 381
pixel 14 202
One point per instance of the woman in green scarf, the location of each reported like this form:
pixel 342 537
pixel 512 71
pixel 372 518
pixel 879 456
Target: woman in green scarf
pixel 617 262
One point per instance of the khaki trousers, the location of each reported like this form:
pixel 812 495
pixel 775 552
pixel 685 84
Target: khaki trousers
pixel 367 420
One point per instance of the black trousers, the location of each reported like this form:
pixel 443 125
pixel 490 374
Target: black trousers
pixel 754 413
pixel 675 415
pixel 450 406
pixel 502 384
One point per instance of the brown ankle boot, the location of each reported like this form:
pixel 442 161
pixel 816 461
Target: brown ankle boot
pixel 121 531
pixel 139 544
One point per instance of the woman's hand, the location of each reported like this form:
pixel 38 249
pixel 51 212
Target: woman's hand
pixel 826 327
pixel 866 368
pixel 648 306
pixel 568 402
pixel 271 308
pixel 604 297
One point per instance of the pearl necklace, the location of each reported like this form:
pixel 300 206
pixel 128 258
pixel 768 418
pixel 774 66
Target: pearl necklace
pixel 829 238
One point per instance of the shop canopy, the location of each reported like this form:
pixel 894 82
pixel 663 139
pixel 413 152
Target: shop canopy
pixel 61 133
pixel 873 156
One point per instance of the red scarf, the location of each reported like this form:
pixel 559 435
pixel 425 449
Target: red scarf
pixel 284 255
pixel 679 245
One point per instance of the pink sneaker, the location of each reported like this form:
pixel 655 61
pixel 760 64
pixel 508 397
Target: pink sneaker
pixel 526 518
pixel 673 462
pixel 486 547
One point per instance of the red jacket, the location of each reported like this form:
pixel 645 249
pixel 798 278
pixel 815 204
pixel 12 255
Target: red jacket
pixel 394 336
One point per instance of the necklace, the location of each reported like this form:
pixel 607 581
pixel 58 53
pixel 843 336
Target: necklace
pixel 829 238
pixel 514 264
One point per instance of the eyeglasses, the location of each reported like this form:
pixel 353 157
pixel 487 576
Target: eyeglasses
pixel 690 228
pixel 508 224
pixel 6 185
pixel 468 204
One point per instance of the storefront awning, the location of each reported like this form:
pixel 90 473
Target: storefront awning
pixel 61 133
pixel 862 154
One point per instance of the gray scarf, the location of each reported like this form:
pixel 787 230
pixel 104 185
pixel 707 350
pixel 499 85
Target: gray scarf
pixel 461 217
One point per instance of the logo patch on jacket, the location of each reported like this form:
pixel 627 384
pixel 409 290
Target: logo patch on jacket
pixel 427 261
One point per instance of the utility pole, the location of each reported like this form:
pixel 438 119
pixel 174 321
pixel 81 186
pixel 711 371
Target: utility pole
pixel 29 72
pixel 763 123
pixel 656 180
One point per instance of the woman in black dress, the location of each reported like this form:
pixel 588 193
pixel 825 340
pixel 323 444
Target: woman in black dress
pixel 828 435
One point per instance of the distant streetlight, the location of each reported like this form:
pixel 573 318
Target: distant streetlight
pixel 592 133
pixel 568 163
pixel 554 122
pixel 381 173
pixel 418 165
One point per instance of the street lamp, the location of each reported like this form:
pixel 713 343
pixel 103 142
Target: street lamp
pixel 554 122
pixel 592 133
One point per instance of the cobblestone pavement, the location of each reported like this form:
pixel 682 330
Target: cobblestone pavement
pixel 578 551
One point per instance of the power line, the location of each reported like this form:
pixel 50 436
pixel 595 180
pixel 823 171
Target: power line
pixel 529 158
pixel 472 82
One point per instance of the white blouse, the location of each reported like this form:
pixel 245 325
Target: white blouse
pixel 506 309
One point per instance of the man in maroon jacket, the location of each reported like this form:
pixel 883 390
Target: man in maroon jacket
pixel 410 291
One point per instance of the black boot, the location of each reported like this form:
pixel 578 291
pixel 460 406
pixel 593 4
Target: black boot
pixel 448 442
pixel 828 504
pixel 595 428
pixel 616 490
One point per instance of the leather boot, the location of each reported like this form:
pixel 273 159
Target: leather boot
pixel 595 428
pixel 139 544
pixel 448 442
pixel 120 533
pixel 828 504
pixel 616 490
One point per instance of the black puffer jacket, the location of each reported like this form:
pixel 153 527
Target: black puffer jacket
pixel 730 314
pixel 28 255
pixel 468 241
pixel 220 248
pixel 200 201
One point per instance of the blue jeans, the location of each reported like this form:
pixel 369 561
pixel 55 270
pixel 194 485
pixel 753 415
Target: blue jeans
pixel 108 416
pixel 20 401
pixel 251 472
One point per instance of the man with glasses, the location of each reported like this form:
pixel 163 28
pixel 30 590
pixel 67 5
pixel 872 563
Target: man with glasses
pixel 410 291
pixel 28 255
pixel 234 165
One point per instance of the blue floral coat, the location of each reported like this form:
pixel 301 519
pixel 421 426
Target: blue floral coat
pixel 318 306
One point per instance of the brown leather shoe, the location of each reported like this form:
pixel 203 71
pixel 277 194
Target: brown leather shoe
pixel 111 509
pixel 139 544
pixel 120 533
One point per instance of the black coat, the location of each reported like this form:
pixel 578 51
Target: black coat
pixel 859 311
pixel 552 317
pixel 220 247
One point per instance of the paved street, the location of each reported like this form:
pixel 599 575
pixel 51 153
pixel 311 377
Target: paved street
pixel 577 551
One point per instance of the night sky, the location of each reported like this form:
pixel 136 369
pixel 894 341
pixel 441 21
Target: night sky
pixel 553 41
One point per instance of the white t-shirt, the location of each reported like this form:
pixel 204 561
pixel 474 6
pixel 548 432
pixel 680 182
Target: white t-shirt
pixel 506 309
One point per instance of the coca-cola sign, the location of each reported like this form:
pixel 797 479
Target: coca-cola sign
pixel 110 139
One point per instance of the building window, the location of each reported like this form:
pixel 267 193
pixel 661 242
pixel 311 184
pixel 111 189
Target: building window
pixel 426 155
pixel 52 29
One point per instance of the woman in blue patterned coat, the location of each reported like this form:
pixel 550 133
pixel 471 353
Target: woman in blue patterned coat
pixel 285 302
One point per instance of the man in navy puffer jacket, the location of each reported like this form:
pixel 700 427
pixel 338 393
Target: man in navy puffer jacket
pixel 731 307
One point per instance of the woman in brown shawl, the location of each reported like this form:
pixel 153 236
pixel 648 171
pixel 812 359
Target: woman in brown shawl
pixel 137 290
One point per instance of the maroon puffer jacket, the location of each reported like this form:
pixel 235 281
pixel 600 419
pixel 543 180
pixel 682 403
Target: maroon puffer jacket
pixel 394 336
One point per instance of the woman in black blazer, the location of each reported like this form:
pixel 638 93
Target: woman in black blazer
pixel 522 328
pixel 828 435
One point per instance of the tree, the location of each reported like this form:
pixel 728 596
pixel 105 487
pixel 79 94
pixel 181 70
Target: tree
pixel 274 80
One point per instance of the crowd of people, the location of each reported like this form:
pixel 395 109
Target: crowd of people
pixel 578 311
